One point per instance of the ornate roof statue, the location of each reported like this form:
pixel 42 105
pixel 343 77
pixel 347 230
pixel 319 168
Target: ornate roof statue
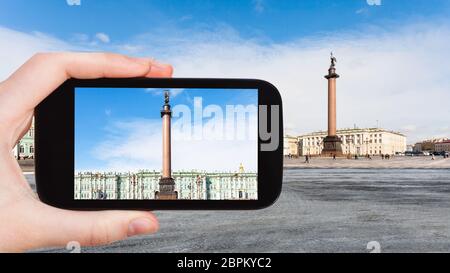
pixel 333 60
pixel 166 97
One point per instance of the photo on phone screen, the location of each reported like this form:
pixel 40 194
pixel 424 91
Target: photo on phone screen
pixel 166 144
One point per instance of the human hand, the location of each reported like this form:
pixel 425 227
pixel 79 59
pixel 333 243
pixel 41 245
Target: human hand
pixel 27 223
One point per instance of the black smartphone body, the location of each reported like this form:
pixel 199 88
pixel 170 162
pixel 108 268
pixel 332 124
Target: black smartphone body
pixel 160 144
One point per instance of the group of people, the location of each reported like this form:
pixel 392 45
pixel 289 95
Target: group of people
pixel 308 158
pixel 356 157
pixel 368 156
pixel 445 155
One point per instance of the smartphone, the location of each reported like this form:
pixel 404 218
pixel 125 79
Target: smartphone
pixel 160 144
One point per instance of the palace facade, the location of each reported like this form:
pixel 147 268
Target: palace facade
pixel 356 141
pixel 144 185
pixel 431 145
pixel 25 147
pixel 290 146
pixel 443 146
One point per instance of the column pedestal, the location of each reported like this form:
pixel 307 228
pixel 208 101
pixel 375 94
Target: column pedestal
pixel 332 146
pixel 167 189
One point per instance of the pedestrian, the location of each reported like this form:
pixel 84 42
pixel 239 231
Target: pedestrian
pixel 432 157
pixel 307 159
pixel 334 156
pixel 382 156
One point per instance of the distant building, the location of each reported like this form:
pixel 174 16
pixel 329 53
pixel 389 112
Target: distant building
pixel 355 142
pixel 25 147
pixel 443 146
pixel 418 147
pixel 409 148
pixel 144 185
pixel 428 145
pixel 291 146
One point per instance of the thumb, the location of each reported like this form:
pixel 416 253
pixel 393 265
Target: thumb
pixel 93 228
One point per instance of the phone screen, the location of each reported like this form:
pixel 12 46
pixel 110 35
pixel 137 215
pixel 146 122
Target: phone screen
pixel 166 144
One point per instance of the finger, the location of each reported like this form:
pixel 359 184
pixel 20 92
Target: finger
pixel 159 70
pixel 11 176
pixel 91 228
pixel 44 72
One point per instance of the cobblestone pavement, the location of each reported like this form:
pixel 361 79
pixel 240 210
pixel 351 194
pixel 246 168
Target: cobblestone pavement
pixel 320 210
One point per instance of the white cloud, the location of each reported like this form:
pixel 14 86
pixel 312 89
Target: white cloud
pixel 409 128
pixel 136 144
pixel 103 37
pixel 397 76
pixel 93 42
pixel 16 47
pixel 130 49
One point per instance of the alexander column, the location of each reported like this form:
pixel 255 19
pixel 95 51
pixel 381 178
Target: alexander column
pixel 166 183
pixel 332 144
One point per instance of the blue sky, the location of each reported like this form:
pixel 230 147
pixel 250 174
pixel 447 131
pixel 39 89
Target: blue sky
pixel 271 20
pixel 120 130
pixel 389 55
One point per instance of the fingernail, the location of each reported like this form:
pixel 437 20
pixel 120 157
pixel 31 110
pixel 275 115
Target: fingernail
pixel 141 226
